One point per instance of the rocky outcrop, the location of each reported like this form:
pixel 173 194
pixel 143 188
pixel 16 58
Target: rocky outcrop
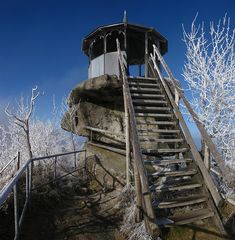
pixel 97 103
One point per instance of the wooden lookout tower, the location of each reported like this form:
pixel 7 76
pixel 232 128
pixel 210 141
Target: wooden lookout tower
pixel 171 177
pixel 135 40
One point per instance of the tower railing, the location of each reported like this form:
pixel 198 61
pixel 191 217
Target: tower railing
pixel 143 195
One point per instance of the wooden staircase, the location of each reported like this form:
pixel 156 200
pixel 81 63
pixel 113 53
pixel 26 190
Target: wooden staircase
pixel 179 195
pixel 173 184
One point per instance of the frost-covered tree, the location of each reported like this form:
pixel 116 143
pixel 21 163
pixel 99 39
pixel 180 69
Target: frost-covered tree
pixel 209 71
pixel 31 136
pixel 21 118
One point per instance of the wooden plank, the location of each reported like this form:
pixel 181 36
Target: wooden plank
pixel 182 202
pixel 160 140
pixel 164 150
pixel 159 115
pixel 163 162
pixel 169 188
pixel 103 131
pixel 185 218
pixel 112 149
pixel 207 178
pixel 147 96
pixel 144 90
pixel 173 173
pixel 157 130
pixel 149 102
pixel 151 108
pixel 154 122
pixel 143 84
pixel 139 78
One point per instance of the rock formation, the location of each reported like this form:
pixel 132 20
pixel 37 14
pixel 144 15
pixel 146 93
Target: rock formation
pixel 97 103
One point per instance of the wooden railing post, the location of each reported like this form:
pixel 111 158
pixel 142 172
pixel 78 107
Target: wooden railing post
pixel 128 147
pixel 177 98
pixel 206 155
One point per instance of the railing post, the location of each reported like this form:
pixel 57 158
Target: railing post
pixel 206 155
pixel 128 150
pixel 27 193
pixel 18 161
pixel 138 194
pixel 30 177
pixel 91 136
pixel 16 212
pixel 55 163
pixel 75 160
pixel 177 98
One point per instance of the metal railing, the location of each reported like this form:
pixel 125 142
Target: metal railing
pixel 27 170
pixel 9 164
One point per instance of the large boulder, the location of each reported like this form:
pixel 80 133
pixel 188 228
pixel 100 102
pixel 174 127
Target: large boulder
pixel 97 103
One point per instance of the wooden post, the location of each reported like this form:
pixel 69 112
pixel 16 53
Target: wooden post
pixel 138 194
pixel 105 50
pixel 206 155
pixel 177 98
pixel 146 55
pixel 128 150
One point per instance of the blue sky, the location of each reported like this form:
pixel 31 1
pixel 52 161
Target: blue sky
pixel 40 40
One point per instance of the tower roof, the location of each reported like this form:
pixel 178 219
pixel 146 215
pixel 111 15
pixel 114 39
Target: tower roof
pixel 130 28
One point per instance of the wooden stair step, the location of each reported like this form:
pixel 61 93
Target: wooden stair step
pixel 173 173
pixel 145 122
pixel 164 162
pixel 181 202
pixel 143 84
pixel 144 90
pixel 159 115
pixel 151 108
pixel 156 130
pixel 164 150
pixel 147 96
pixel 143 79
pixel 169 188
pixel 185 218
pixel 149 102
pixel 160 140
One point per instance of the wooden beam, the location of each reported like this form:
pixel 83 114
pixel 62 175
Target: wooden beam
pixel 146 55
pixel 128 149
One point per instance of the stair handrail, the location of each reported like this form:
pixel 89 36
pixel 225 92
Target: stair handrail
pixel 144 195
pixel 8 164
pixel 208 180
pixel 227 174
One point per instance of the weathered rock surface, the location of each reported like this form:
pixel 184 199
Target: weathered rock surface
pixel 96 103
